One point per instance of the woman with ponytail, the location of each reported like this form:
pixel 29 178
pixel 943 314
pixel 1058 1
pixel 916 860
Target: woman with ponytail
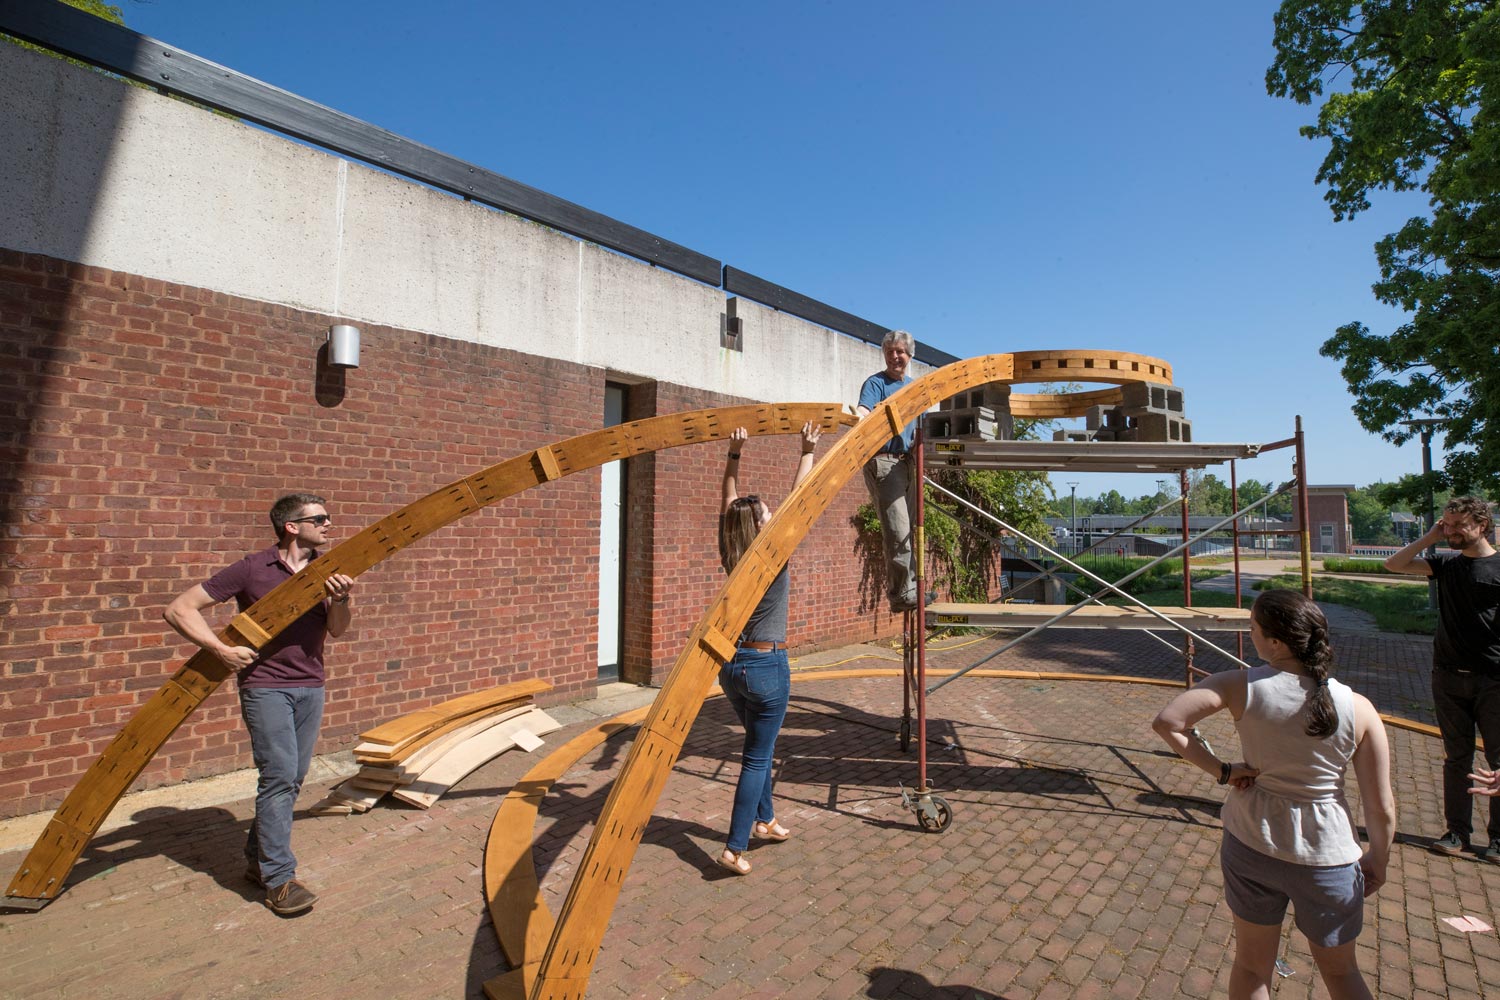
pixel 758 680
pixel 1289 836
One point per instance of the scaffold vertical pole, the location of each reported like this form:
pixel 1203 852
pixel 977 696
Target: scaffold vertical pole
pixel 1234 531
pixel 1306 532
pixel 1187 576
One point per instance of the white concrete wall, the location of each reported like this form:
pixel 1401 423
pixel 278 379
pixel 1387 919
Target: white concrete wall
pixel 96 171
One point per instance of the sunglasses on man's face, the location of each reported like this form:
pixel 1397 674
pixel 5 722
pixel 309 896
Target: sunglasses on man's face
pixel 318 519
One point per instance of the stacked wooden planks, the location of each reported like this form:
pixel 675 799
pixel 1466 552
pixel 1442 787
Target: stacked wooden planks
pixel 418 757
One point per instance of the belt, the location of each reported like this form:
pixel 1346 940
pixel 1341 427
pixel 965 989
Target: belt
pixel 764 647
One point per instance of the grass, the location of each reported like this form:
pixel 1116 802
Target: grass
pixel 1396 607
pixel 1356 566
pixel 1163 577
pixel 1171 597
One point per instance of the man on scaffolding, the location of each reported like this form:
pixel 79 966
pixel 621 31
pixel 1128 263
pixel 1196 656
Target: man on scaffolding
pixel 890 477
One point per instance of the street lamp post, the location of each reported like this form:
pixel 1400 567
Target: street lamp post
pixel 1073 514
pixel 1425 427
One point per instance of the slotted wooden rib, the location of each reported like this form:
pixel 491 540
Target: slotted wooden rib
pixel 45 868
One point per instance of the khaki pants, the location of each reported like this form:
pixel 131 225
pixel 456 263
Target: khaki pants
pixel 893 491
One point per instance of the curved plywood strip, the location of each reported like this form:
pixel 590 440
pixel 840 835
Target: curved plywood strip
pixel 56 851
pixel 585 913
pixel 391 737
pixel 522 922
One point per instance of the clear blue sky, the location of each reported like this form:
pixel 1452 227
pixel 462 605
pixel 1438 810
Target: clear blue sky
pixel 991 176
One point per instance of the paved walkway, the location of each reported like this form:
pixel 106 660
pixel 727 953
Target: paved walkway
pixel 1081 862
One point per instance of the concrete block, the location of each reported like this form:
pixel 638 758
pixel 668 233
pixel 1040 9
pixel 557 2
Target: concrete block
pixel 1161 427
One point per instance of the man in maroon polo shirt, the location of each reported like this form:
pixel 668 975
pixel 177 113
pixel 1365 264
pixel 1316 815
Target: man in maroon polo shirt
pixel 281 686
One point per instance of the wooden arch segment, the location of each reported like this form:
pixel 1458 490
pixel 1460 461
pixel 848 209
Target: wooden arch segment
pixel 1118 367
pixel 45 868
pixel 581 923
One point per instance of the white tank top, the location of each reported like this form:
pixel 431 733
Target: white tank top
pixel 1296 810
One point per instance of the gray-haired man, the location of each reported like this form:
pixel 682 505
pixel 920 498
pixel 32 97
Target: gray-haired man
pixel 889 476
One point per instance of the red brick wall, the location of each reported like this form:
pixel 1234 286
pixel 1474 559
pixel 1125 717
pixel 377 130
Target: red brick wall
pixel 145 429
pixel 672 560
pixel 1328 508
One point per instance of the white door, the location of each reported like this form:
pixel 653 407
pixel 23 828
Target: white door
pixel 611 523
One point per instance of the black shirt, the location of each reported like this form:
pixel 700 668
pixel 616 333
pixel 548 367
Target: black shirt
pixel 1468 631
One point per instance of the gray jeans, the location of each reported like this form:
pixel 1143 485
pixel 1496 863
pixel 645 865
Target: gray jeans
pixel 283 724
pixel 893 491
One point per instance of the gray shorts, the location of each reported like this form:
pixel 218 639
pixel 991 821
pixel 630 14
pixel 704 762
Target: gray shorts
pixel 1328 902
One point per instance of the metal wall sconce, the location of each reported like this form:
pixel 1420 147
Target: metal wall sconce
pixel 343 346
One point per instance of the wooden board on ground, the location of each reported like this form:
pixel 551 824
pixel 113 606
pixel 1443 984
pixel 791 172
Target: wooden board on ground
pixel 1089 616
pixel 386 739
pixel 474 753
pixel 412 766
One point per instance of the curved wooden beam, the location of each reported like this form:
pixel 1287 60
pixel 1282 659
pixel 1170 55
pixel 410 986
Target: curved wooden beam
pixel 570 954
pixel 46 867
pixel 522 922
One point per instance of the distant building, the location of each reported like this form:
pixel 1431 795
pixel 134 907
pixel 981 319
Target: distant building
pixel 1328 518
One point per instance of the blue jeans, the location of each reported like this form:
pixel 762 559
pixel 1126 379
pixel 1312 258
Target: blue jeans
pixel 757 685
pixel 283 724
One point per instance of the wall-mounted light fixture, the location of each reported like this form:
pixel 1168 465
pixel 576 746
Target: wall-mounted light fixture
pixel 343 346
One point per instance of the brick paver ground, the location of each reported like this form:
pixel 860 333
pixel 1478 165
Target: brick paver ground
pixel 1081 862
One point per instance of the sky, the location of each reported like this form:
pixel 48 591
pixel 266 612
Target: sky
pixel 992 176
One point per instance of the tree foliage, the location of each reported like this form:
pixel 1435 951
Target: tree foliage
pixel 1417 108
pixel 1370 516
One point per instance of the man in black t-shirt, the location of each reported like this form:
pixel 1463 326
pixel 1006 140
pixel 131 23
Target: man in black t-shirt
pixel 1465 659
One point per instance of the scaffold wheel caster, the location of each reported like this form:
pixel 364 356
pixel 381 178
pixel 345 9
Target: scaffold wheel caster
pixel 905 735
pixel 933 813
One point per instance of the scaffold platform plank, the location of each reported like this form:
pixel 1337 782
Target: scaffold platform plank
pixel 1090 616
pixel 1083 456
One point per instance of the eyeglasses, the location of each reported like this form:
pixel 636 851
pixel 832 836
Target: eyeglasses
pixel 318 519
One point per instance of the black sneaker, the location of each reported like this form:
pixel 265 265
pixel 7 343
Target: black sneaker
pixel 1450 843
pixel 289 898
pixel 1491 853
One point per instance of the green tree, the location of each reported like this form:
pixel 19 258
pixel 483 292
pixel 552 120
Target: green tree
pixel 1409 493
pixel 1208 494
pixel 1370 517
pixel 966 546
pixel 1418 109
pixel 1111 502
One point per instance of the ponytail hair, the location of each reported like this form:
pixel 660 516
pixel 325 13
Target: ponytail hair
pixel 738 527
pixel 1297 620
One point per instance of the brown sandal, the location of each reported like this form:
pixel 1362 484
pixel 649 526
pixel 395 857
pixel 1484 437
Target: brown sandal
pixel 738 864
pixel 770 831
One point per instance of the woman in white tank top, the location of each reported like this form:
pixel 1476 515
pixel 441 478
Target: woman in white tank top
pixel 1289 836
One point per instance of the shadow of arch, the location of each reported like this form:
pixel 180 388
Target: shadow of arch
pixel 519 914
pixel 45 869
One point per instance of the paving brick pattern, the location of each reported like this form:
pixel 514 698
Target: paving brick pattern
pixel 1081 862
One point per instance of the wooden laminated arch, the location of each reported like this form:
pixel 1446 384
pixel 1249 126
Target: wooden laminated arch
pixel 568 959
pixel 46 866
pixel 570 953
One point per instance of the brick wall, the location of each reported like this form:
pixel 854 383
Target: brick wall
pixel 146 427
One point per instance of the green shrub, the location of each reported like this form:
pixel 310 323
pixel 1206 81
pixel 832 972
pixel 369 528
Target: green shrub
pixel 1355 566
pixel 1397 607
